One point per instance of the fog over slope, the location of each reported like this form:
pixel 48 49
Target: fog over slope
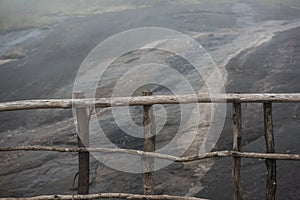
pixel 255 45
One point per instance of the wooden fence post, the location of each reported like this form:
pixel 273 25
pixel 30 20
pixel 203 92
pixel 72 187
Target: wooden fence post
pixel 149 146
pixel 237 146
pixel 83 141
pixel 270 145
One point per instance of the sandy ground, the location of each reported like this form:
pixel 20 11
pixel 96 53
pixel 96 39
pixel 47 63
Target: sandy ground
pixel 273 74
pixel 255 47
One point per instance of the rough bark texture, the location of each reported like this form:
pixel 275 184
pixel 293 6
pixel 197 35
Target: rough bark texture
pixel 83 141
pixel 237 146
pixel 270 144
pixel 149 146
pixel 149 100
pixel 226 153
pixel 105 196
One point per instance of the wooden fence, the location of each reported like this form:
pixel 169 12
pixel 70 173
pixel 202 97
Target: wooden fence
pixel 82 111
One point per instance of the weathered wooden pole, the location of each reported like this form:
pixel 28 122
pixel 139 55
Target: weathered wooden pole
pixel 270 145
pixel 149 146
pixel 237 146
pixel 139 101
pixel 83 141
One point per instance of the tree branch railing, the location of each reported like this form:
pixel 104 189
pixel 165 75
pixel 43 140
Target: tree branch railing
pixel 105 196
pixel 148 100
pixel 82 106
pixel 225 153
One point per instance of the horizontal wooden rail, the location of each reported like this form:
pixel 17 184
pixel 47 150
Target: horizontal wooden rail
pixel 149 100
pixel 105 196
pixel 226 153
